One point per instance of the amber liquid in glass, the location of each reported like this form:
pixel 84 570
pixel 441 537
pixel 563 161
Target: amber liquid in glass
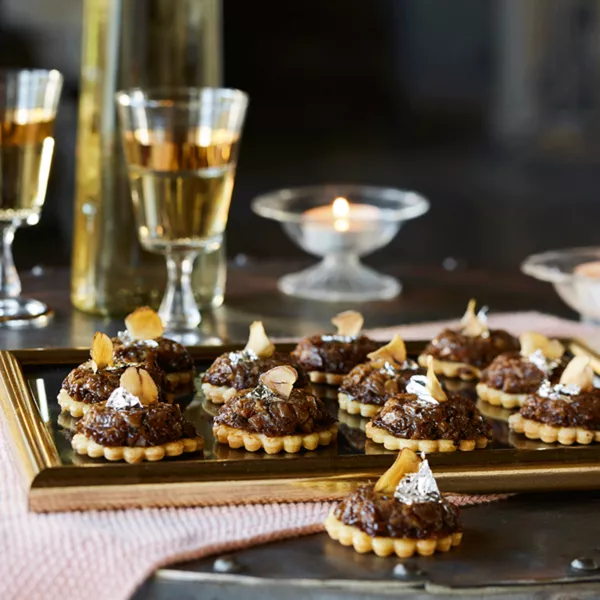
pixel 26 148
pixel 181 187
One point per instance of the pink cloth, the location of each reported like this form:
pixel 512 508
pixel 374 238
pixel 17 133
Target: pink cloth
pixel 107 555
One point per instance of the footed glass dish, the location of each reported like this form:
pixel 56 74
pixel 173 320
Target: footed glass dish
pixel 340 223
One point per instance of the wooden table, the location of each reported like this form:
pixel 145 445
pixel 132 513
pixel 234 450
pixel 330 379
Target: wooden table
pixel 526 544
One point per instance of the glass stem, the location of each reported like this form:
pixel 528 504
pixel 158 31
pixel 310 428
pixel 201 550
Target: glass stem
pixel 10 284
pixel 178 310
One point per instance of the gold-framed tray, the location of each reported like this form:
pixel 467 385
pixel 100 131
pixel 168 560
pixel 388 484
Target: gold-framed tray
pixel 58 480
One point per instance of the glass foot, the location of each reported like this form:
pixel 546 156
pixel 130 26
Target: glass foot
pixel 24 312
pixel 340 279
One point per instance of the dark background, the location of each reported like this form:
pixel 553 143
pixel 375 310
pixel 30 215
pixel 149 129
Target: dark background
pixel 489 108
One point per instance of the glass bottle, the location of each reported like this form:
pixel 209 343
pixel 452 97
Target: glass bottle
pixel 129 43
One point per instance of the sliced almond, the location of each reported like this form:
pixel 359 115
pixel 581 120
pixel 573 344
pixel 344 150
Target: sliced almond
pixel 144 324
pixel 280 380
pixel 433 384
pixel 394 352
pixel 258 341
pixel 349 323
pixel 472 325
pixel 532 342
pixel 406 462
pixel 579 372
pixel 139 384
pixel 102 351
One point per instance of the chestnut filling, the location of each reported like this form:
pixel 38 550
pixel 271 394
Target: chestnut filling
pixel 405 416
pixel 515 374
pixel 171 356
pixel 244 374
pixel 477 351
pixel 333 356
pixel 138 426
pixel 83 385
pixel 582 410
pixel 371 383
pixel 381 515
pixel 301 413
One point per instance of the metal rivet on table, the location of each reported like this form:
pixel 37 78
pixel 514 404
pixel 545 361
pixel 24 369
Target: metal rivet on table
pixel 226 564
pixel 585 563
pixel 406 571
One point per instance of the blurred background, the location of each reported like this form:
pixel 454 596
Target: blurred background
pixel 490 108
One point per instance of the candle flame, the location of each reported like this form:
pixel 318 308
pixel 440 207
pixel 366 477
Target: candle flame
pixel 340 208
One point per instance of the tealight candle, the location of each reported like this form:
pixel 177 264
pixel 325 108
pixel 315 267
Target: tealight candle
pixel 342 216
pixel 338 226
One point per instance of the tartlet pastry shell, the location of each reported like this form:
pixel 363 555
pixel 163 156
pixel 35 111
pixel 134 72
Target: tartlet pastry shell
pixel 132 455
pixel 550 434
pixel 74 407
pixel 238 438
pixel 182 382
pixel 218 394
pixel 348 535
pixel 500 398
pixel 451 369
pixel 328 378
pixel 390 442
pixel 354 407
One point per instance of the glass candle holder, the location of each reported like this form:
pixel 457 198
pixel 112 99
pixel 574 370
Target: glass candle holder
pixel 341 223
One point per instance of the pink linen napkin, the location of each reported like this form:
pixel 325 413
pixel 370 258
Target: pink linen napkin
pixel 107 555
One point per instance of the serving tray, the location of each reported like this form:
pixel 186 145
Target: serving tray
pixel 57 480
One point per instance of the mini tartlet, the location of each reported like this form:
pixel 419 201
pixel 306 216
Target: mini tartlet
pixel 402 514
pixel 368 385
pixel 275 417
pixel 511 377
pixel 133 426
pixel 94 381
pixel 233 372
pixel 328 358
pixel 567 412
pixel 143 340
pixel 463 353
pixel 426 418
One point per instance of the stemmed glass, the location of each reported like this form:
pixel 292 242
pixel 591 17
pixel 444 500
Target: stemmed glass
pixel 181 149
pixel 28 104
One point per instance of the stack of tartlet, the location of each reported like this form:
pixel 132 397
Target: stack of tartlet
pixel 123 395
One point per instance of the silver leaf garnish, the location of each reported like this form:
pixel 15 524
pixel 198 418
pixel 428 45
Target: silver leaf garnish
pixel 391 369
pixel 560 391
pixel 262 392
pixel 543 363
pixel 417 385
pixel 339 338
pixel 483 318
pixel 242 356
pixel 122 399
pixel 127 340
pixel 418 487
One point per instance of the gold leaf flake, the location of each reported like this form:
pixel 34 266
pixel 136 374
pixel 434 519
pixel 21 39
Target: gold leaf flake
pixel 349 323
pixel 433 385
pixel 144 324
pixel 102 352
pixel 532 342
pixel 472 324
pixel 579 372
pixel 406 462
pixel 394 352
pixel 258 342
pixel 139 384
pixel 280 380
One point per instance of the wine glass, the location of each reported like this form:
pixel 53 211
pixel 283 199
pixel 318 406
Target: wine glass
pixel 28 104
pixel 181 150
